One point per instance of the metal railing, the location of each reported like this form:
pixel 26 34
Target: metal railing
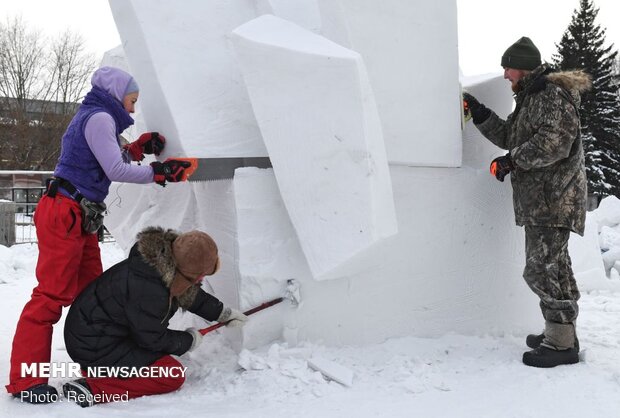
pixel 25 231
pixel 18 228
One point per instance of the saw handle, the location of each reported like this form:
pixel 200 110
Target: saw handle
pixel 193 165
pixel 248 312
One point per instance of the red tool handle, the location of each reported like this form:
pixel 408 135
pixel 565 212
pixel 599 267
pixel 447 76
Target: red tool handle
pixel 248 312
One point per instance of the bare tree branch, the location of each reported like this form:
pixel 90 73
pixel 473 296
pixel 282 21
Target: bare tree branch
pixel 41 82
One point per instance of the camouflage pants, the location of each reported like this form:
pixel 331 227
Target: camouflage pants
pixel 549 274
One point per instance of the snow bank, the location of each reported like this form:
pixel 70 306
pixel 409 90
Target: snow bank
pixel 607 234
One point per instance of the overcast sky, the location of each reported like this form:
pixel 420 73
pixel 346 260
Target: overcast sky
pixel 486 27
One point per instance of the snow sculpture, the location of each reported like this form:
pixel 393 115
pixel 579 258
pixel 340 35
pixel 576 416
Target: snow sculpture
pixel 455 264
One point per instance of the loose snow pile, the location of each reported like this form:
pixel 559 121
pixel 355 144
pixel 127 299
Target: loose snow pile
pixel 608 218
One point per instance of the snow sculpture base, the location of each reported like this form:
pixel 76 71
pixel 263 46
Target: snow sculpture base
pixel 443 272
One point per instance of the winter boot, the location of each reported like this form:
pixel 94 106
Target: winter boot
pixel 42 393
pixel 79 392
pixel 547 357
pixel 535 340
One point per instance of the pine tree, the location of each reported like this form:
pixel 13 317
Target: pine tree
pixel 617 73
pixel 583 47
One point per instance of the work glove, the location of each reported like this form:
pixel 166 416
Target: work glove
pixel 479 112
pixel 232 317
pixel 170 170
pixel 502 166
pixel 147 143
pixel 197 338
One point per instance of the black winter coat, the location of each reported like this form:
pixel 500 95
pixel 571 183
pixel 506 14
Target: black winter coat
pixel 121 318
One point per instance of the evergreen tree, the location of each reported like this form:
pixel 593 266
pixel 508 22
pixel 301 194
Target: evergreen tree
pixel 583 47
pixel 617 73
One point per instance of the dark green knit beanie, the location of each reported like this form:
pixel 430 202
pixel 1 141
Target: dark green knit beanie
pixel 522 55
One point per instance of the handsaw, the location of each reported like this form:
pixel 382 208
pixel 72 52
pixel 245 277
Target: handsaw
pixel 203 169
pixel 187 173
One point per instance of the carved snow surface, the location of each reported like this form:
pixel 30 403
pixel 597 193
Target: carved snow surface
pixel 317 114
pixel 190 86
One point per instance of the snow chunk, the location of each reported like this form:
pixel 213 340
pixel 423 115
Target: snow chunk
pixel 608 212
pixel 332 370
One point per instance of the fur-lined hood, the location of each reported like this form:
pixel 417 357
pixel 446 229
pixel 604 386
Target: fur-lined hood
pixel 155 245
pixel 575 82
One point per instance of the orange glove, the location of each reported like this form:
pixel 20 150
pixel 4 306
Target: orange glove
pixel 170 170
pixel 502 166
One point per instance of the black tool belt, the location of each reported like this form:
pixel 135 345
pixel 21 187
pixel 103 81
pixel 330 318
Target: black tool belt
pixel 92 212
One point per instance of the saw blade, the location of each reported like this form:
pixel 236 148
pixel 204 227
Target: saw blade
pixel 224 168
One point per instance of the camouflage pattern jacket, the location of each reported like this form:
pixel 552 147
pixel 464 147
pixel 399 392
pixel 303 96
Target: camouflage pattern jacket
pixel 543 137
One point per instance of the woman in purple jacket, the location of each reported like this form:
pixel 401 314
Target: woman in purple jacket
pixel 71 211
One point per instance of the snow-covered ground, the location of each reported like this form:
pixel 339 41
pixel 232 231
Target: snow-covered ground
pixel 451 376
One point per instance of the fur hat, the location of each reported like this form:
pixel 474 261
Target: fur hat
pixel 195 256
pixel 522 55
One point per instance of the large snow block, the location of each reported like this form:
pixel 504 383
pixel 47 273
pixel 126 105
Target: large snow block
pixel 190 87
pixel 410 49
pixel 439 274
pixel 268 252
pixel 316 112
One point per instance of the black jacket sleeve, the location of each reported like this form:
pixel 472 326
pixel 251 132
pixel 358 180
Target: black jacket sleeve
pixel 206 306
pixel 148 321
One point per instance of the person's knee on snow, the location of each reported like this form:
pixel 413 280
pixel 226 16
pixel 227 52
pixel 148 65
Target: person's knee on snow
pixel 175 372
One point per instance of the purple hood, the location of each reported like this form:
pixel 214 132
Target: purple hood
pixel 114 81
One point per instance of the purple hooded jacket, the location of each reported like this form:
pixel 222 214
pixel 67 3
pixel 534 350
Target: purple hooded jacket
pixel 91 156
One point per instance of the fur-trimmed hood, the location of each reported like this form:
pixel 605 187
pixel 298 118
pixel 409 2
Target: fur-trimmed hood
pixel 155 245
pixel 575 82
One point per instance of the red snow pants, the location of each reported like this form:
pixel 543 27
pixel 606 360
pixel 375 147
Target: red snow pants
pixel 69 260
pixel 134 387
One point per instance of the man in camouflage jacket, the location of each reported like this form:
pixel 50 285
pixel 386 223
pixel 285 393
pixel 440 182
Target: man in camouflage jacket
pixel 546 165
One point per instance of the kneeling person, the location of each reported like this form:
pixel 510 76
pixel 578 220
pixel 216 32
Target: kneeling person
pixel 121 319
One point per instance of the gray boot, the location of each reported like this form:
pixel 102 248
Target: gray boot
pixel 547 357
pixel 557 345
pixel 535 340
pixel 559 336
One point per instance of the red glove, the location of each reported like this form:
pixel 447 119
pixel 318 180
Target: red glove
pixel 170 170
pixel 147 143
